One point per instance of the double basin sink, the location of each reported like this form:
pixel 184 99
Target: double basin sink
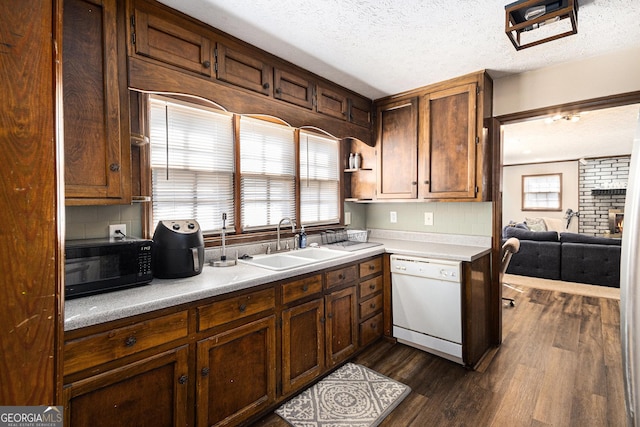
pixel 292 259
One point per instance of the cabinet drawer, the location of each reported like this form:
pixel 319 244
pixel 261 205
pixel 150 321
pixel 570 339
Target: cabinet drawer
pixel 293 88
pixel 370 306
pixel 86 352
pixel 373 266
pixel 370 329
pixel 301 288
pixel 370 286
pixel 342 276
pixel 224 311
pixel 242 70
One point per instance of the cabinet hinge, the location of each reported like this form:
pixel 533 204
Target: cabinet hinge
pixel 133 29
pixel 215 58
pixel 476 190
pixel 477 90
pixel 477 140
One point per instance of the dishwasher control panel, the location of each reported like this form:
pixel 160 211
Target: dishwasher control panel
pixel 426 267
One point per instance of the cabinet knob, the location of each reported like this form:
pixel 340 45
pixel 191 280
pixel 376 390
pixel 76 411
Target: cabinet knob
pixel 130 342
pixel 278 91
pixel 242 308
pixel 183 379
pixel 266 85
pixel 372 305
pixel 374 326
pixel 372 286
pixel 204 372
pixel 114 167
pixel 340 276
pixel 206 64
pixel 372 267
pixel 414 182
pixel 426 182
pixel 305 288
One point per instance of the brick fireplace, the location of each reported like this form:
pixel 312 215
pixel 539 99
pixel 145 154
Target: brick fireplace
pixel 602 185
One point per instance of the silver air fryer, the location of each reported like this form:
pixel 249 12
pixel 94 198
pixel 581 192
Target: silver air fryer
pixel 178 249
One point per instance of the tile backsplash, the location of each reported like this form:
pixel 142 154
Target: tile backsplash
pixel 89 222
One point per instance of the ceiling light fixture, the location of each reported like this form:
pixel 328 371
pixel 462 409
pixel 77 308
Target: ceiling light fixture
pixel 572 117
pixel 523 16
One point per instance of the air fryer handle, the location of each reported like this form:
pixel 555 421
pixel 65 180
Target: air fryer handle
pixel 196 259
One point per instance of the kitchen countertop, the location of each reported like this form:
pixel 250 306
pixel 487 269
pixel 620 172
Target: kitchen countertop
pixel 213 281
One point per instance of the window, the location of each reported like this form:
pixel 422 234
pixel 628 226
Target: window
pixel 267 173
pixel 192 164
pixel 542 192
pixel 319 179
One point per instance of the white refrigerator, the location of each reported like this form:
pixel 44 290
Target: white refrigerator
pixel 630 288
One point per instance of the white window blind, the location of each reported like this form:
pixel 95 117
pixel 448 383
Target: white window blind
pixel 319 179
pixel 542 192
pixel 192 164
pixel 267 173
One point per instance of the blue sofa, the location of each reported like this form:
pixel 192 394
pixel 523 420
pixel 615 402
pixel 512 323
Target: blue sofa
pixel 566 256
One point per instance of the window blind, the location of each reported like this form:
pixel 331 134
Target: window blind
pixel 192 164
pixel 319 179
pixel 267 173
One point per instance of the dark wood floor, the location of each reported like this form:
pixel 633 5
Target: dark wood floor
pixel 559 365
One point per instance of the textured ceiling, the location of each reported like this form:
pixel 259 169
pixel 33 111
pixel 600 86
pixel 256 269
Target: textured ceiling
pixel 383 47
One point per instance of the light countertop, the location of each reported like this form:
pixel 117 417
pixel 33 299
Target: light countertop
pixel 213 281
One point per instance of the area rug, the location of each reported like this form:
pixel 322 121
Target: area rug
pixel 352 396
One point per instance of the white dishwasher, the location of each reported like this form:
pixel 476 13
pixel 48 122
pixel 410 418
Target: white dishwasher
pixel 426 303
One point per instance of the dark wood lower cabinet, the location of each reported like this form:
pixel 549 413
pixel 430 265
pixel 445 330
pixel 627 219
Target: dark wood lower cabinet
pixel 236 373
pixel 149 392
pixel 302 344
pixel 342 338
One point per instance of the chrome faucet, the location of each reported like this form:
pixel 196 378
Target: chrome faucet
pixel 293 230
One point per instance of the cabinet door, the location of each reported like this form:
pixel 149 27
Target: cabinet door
pixel 302 344
pixel 236 373
pixel 96 143
pixel 332 103
pixel 293 88
pixel 447 166
pixel 360 111
pixel 150 392
pixel 243 70
pixel 172 42
pixel 397 145
pixel 341 321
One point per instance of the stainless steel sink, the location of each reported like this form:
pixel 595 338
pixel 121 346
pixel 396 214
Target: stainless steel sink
pixel 293 259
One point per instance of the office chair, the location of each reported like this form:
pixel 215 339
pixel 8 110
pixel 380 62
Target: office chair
pixel 510 247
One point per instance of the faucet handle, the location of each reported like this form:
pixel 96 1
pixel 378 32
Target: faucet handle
pixel 268 245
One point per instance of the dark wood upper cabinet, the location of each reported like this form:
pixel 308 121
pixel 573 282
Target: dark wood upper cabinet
pixel 293 88
pixel 243 70
pixel 172 41
pixel 360 111
pixel 332 103
pixel 397 144
pixel 447 150
pixel 96 105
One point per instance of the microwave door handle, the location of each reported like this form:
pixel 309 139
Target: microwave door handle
pixel 196 259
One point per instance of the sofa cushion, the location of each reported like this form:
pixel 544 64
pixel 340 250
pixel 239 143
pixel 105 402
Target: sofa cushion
pixel 583 238
pixel 541 236
pixel 536 259
pixel 591 263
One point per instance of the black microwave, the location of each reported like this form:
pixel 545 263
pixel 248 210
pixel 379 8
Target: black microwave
pixel 95 266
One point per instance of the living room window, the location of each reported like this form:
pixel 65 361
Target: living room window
pixel 542 192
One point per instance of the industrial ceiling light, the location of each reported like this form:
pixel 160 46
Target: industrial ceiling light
pixel 552 19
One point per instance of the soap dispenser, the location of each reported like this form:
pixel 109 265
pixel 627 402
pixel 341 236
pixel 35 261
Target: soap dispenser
pixel 303 238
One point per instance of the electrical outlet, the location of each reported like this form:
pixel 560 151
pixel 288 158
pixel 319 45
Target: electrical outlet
pixel 113 231
pixel 347 218
pixel 393 217
pixel 428 218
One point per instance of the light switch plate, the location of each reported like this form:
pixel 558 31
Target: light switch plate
pixel 347 218
pixel 393 217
